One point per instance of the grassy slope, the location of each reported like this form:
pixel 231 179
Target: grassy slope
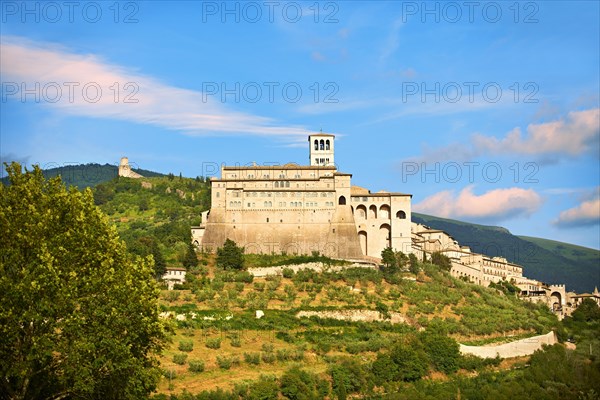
pixel 577 267
pixel 469 313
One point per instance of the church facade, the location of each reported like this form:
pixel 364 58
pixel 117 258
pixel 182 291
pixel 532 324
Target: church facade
pixel 301 209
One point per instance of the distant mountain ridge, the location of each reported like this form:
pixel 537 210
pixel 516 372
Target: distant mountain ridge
pixel 545 260
pixel 88 175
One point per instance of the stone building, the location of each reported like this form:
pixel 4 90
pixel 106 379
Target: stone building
pixel 126 171
pixel 300 209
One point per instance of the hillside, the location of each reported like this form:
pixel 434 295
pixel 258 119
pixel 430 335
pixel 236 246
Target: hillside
pixel 219 342
pixel 545 260
pixel 87 175
pixel 154 215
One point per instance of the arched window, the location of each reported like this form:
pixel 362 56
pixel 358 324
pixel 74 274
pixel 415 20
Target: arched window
pixel 401 215
pixel 287 184
pixel 316 144
pixel 276 184
pixel 327 145
pixel 342 201
pixel 322 145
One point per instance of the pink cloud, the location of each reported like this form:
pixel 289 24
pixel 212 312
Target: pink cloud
pixel 575 135
pixel 585 214
pixel 496 204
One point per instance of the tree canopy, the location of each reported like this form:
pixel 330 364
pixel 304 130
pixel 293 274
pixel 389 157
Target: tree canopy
pixel 230 256
pixel 78 314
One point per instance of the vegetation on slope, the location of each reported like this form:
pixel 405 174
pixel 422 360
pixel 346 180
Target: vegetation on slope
pixel 155 219
pixel 577 267
pixel 249 357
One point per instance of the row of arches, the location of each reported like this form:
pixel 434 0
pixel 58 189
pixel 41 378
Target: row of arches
pixel 322 144
pixel 384 233
pixel 373 212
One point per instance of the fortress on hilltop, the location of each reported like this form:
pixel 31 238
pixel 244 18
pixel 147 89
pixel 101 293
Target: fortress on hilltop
pixel 301 209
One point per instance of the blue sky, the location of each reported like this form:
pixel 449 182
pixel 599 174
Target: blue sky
pixel 485 111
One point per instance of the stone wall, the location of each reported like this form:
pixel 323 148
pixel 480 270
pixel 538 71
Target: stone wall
pixel 519 348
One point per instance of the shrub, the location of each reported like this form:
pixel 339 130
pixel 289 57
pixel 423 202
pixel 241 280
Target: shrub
pixel 236 341
pixel 196 366
pixel 186 345
pixel 268 357
pixel 213 343
pixel 287 273
pixel 252 358
pixel 267 347
pixel 225 362
pixel 284 355
pixel 179 358
pixel 172 295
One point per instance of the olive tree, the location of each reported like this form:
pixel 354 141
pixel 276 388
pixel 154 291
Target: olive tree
pixel 78 315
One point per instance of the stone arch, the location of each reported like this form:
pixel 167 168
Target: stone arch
pixel 196 244
pixel 362 238
pixel 292 248
pixel 252 248
pixel 316 144
pixel 322 145
pixel 556 301
pixel 373 211
pixel 327 144
pixel 385 232
pixel 342 201
pixel 330 250
pixel 361 211
pixel 384 211
pixel 401 215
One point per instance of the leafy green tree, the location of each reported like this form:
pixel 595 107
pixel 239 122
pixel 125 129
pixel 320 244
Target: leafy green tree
pixel 442 350
pixel 587 311
pixel 441 261
pixel 401 259
pixel 230 256
pixel 79 316
pixel 388 257
pixel 191 259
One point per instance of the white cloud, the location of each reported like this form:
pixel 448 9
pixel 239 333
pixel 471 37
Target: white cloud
pixel 158 104
pixel 575 135
pixel 587 213
pixel 497 204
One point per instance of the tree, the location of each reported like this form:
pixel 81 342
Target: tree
pixel 443 351
pixel 587 311
pixel 414 264
pixel 388 257
pixel 79 315
pixel 441 261
pixel 191 259
pixel 230 256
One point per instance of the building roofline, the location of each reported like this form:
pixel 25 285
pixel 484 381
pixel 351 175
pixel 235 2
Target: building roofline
pixel 278 167
pixel 387 194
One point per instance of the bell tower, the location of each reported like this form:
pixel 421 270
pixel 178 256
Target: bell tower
pixel 321 149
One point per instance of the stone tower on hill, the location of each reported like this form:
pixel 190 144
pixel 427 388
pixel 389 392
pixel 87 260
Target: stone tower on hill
pixel 125 169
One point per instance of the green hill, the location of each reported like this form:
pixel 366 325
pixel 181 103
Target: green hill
pixel 545 260
pixel 87 175
pixel 141 213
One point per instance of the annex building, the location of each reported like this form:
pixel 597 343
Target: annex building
pixel 300 209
